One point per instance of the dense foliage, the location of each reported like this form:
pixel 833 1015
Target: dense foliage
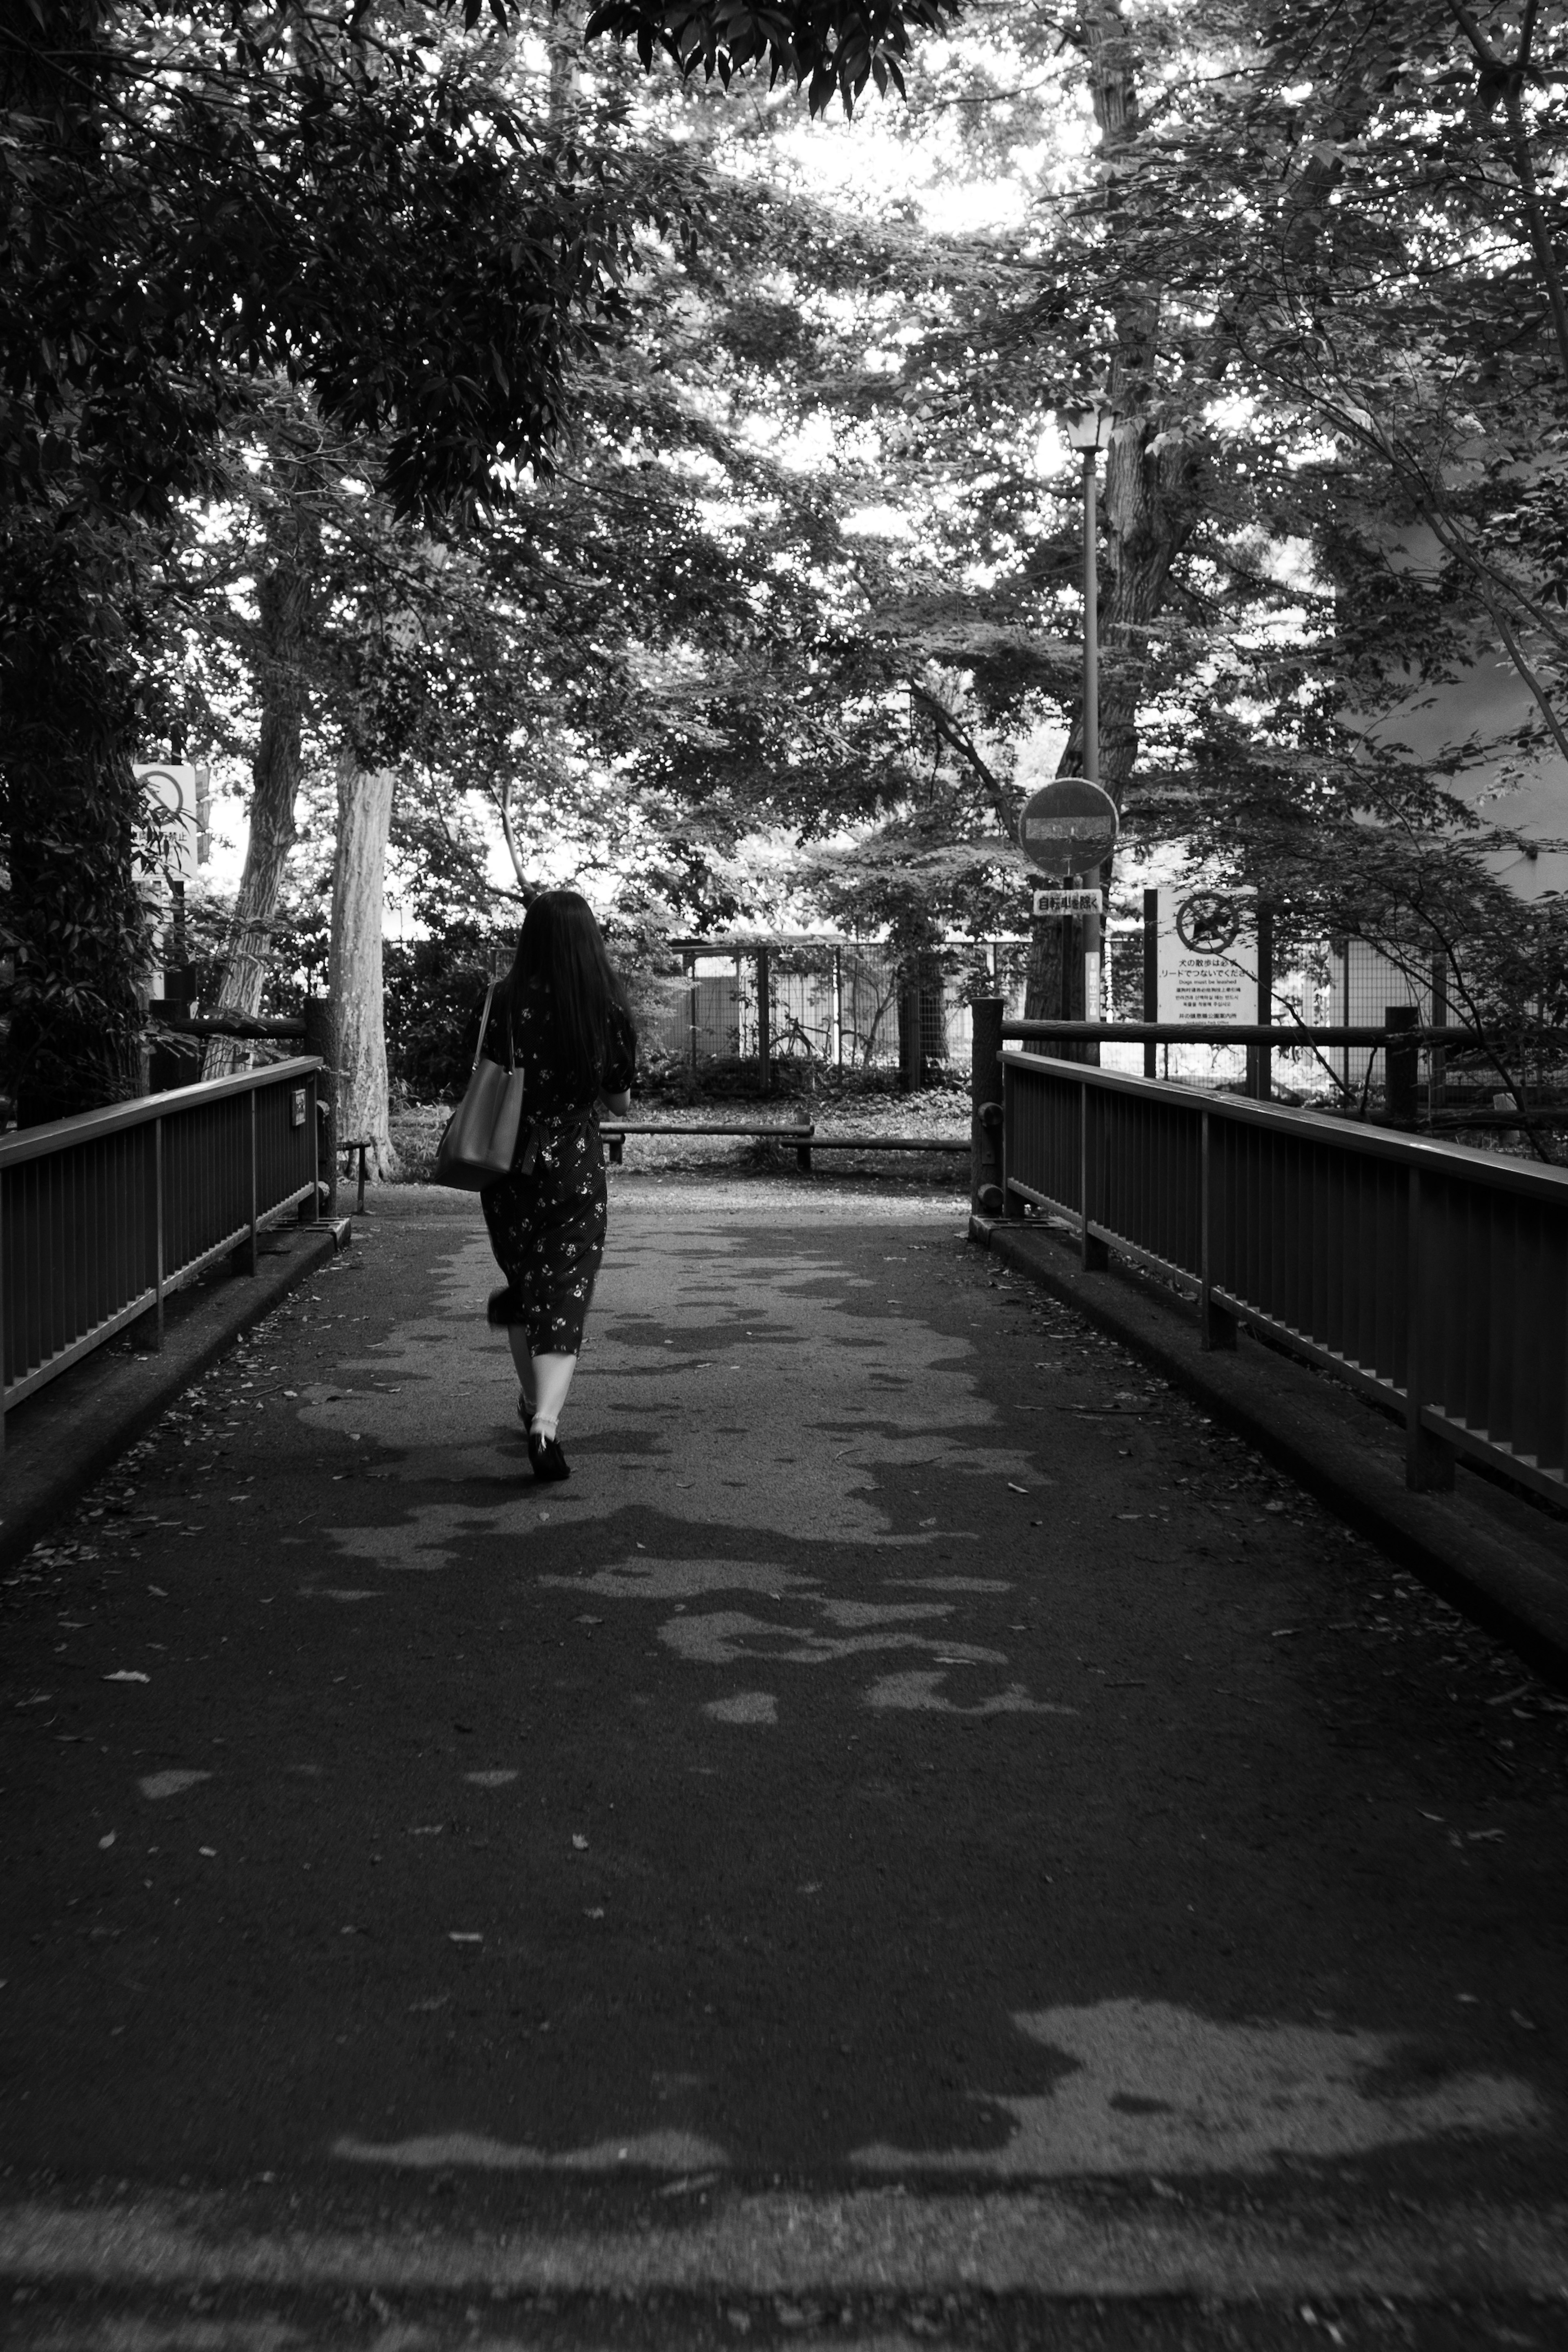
pixel 197 200
pixel 674 497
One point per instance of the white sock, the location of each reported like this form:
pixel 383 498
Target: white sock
pixel 541 1426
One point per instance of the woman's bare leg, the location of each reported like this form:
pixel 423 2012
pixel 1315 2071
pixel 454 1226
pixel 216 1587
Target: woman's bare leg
pixel 552 1379
pixel 518 1336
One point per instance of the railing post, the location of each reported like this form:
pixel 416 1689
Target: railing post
pixel 322 1039
pixel 1151 978
pixel 4 1305
pixel 1437 1059
pixel 1400 1066
pixel 839 1007
pixel 803 1151
pixel 1261 1059
pixel 987 1197
pixel 764 1018
pixel 1092 1254
pixel 1216 1326
pixel 252 1257
pixel 1428 1462
pixel 313 1131
pixel 159 1258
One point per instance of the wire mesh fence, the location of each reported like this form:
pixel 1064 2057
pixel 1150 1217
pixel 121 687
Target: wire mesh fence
pixel 848 1004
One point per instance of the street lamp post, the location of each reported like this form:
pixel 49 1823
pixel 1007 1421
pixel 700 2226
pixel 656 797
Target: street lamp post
pixel 1089 430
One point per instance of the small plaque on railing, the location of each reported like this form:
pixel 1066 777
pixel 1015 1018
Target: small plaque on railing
pixel 297 1107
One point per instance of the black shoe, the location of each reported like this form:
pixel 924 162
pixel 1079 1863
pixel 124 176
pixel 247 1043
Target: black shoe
pixel 547 1460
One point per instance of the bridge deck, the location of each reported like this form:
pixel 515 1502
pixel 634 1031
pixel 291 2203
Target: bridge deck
pixel 920 1811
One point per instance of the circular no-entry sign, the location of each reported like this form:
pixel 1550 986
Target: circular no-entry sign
pixel 1069 827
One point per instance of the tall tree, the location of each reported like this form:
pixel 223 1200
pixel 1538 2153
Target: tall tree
pixel 196 196
pixel 354 980
pixel 193 199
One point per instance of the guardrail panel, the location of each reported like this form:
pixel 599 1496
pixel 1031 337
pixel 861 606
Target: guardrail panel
pixel 79 1204
pixel 1313 1235
pixel 1150 1180
pixel 1043 1128
pixel 1542 1365
pixel 1501 1333
pixel 206 1175
pixel 283 1169
pixel 1450 1263
pixel 1385 1267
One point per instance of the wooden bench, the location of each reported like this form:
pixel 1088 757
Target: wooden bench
pixel 805 1139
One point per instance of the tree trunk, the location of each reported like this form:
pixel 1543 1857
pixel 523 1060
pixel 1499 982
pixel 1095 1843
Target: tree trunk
pixel 75 924
pixel 364 819
pixel 284 600
pixel 1153 499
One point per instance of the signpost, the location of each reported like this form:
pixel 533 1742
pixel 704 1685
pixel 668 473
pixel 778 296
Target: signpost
pixel 1067 827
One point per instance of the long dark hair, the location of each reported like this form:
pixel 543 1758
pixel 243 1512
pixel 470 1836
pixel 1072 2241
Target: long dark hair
pixel 560 947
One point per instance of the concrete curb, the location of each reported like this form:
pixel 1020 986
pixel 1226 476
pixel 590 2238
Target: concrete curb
pixel 1489 1553
pixel 63 1439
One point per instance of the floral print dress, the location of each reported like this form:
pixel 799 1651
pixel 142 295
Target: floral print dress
pixel 547 1218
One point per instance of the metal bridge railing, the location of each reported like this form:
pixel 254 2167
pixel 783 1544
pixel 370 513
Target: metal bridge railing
pixel 1432 1277
pixel 102 1216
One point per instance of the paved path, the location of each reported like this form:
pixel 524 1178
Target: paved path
pixel 920 1823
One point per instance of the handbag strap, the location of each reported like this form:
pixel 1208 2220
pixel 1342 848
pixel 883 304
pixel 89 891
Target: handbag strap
pixel 484 1032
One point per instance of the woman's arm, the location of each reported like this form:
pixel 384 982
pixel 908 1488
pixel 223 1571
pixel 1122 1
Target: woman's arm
pixel 619 1064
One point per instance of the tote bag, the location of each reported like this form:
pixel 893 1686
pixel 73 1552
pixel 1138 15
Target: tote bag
pixel 482 1133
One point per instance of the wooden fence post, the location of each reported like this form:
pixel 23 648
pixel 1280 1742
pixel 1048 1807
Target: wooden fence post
pixel 1401 1063
pixel 1261 1059
pixel 1437 1059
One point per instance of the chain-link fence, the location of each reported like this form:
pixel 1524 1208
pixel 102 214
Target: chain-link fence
pixel 849 1005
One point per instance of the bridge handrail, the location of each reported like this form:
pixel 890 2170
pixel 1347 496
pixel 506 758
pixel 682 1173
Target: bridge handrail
pixel 103 1214
pixel 1282 1035
pixel 56 1135
pixel 1488 1168
pixel 1429 1276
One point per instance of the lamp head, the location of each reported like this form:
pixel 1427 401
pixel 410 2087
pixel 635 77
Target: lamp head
pixel 1088 428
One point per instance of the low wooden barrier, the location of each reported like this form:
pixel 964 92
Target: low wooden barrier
pixel 804 1140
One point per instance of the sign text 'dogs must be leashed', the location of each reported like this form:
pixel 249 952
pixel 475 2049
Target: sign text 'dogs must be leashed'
pixel 1207 955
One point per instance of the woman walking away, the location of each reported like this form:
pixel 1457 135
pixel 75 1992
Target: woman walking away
pixel 572 1034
